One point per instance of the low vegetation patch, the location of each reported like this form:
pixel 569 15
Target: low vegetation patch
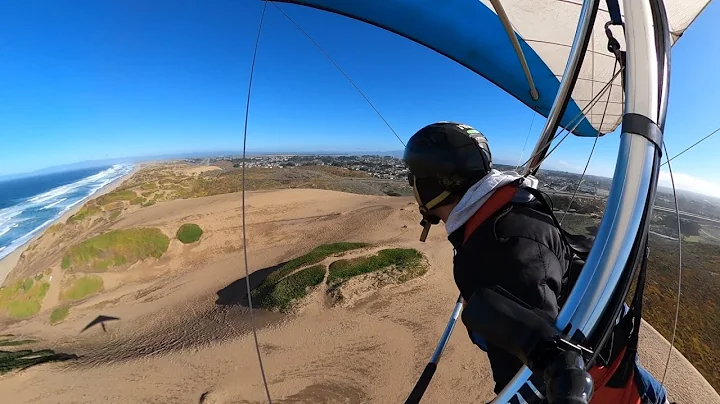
pixel 399 259
pixel 313 257
pixel 115 196
pixel 85 211
pixel 81 288
pixel 284 286
pixel 169 182
pixel 23 298
pixel 109 203
pixel 317 177
pixel 117 247
pixel 23 359
pixel 115 214
pixel 7 340
pixel 287 290
pixel 189 233
pixel 395 265
pixel 59 314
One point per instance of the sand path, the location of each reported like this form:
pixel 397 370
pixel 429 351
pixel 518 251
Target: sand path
pixel 53 294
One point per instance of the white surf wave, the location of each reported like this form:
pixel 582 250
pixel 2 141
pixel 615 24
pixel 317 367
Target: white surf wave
pixel 7 214
pixel 52 205
pixel 6 229
pixel 104 176
pixel 70 195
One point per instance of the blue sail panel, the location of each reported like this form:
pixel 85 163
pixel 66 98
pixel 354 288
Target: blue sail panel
pixel 471 34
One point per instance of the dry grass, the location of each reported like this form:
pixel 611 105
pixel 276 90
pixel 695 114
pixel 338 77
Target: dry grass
pixel 115 248
pixel 23 299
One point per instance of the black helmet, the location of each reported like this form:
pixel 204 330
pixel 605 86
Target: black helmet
pixel 445 158
pixel 452 154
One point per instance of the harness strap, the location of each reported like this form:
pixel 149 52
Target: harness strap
pixel 501 197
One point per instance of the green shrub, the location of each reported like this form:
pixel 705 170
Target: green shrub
pixel 115 248
pixel 189 233
pixel 82 287
pixel 23 299
pixel 283 293
pixel 316 255
pixel 59 314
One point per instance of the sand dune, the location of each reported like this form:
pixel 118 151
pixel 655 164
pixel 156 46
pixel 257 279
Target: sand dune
pixel 180 338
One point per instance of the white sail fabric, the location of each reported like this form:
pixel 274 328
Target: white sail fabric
pixel 548 26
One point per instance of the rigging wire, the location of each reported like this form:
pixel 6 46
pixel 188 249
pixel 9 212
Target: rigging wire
pixel 587 163
pixel 517 167
pixel 693 145
pixel 244 234
pixel 244 153
pixel 340 70
pixel 677 305
pixel 575 121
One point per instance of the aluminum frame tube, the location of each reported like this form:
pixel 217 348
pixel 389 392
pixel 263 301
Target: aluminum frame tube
pixel 500 11
pixel 630 196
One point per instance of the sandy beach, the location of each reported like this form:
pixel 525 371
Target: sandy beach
pixel 182 334
pixel 8 263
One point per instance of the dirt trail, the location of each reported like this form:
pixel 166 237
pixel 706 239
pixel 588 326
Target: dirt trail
pixel 183 332
pixel 53 294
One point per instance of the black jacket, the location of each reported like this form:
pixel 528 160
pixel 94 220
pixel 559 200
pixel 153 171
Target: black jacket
pixel 521 250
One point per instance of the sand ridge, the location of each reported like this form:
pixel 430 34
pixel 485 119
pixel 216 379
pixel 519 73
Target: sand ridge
pixel 182 337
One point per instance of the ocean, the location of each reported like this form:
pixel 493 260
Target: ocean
pixel 29 205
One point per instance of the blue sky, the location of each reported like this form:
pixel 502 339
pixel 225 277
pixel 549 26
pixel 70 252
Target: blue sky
pixel 89 80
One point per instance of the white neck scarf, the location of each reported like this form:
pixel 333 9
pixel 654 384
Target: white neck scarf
pixel 481 191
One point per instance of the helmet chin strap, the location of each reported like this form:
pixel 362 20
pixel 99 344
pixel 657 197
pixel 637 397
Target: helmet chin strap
pixel 428 219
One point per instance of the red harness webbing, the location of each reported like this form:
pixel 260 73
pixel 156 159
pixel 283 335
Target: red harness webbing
pixel 497 200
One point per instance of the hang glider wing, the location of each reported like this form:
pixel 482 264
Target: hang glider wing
pixel 470 33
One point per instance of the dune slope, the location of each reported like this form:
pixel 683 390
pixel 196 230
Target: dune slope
pixel 175 328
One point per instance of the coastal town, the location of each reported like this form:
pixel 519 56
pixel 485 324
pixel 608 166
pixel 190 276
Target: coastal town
pixel 393 168
pixel 383 167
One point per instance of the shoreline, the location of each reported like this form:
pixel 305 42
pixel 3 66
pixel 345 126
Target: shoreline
pixel 8 263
